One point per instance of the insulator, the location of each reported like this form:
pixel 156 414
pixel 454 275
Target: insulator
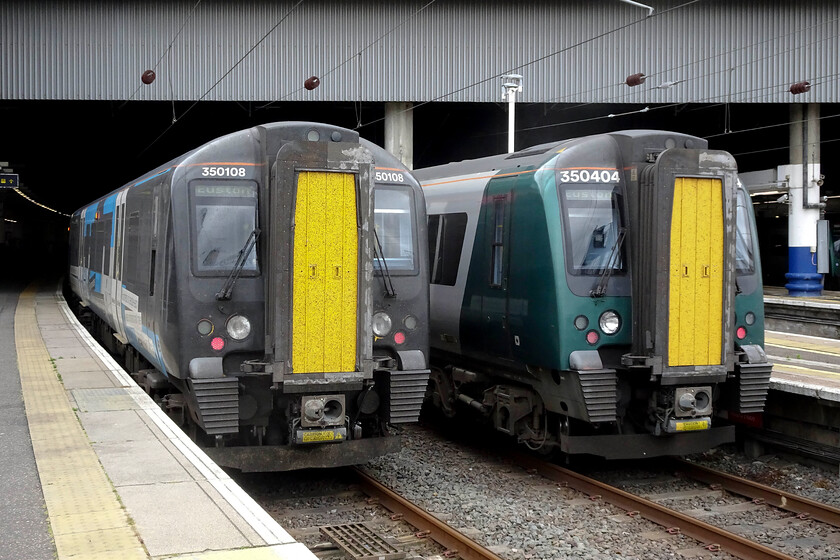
pixel 634 80
pixel 800 87
pixel 312 82
pixel 148 77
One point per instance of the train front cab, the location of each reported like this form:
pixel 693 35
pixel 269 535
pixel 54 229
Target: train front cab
pixel 337 388
pixel 697 313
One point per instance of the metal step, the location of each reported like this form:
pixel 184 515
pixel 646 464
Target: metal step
pixel 218 404
pixel 599 394
pixel 406 390
pixel 753 381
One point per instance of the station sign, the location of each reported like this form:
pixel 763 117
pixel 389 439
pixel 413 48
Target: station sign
pixel 8 180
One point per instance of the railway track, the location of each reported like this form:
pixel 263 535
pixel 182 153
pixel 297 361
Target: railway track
pixel 713 537
pixel 353 516
pixel 699 510
pixel 456 543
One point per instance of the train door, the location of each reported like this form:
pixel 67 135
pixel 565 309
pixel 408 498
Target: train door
pixel 495 302
pixel 119 242
pixel 696 277
pixel 151 313
pixel 325 273
pixel 139 268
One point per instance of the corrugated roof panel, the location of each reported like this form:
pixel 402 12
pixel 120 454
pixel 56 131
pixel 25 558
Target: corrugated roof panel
pixel 568 52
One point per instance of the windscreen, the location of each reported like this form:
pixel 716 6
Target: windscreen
pixel 744 260
pixel 394 221
pixel 592 222
pixel 223 217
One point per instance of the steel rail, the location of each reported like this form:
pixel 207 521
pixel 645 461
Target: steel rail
pixel 778 498
pixel 440 532
pixel 713 537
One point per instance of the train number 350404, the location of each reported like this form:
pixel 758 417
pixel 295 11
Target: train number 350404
pixel 589 176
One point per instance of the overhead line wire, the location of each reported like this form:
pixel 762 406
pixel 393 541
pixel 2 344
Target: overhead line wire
pixel 709 58
pixel 544 57
pixel 655 108
pixel 231 69
pixel 765 127
pixel 355 55
pixel 692 78
pixel 782 148
pixel 168 48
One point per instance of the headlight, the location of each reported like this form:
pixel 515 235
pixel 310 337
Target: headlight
pixel 238 327
pixel 609 322
pixel 749 318
pixel 381 323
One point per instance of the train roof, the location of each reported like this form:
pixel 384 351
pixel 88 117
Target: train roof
pixel 276 134
pixel 535 155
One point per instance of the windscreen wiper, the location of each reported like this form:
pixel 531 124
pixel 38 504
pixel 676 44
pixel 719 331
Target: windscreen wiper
pixel 227 287
pixel 601 289
pixel 383 266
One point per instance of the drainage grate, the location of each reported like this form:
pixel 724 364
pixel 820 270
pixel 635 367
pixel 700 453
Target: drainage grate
pixel 361 543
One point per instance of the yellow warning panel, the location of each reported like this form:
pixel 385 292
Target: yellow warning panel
pixel 325 273
pixel 696 273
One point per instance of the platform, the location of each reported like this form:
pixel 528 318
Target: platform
pixel 810 315
pixel 804 365
pixel 119 479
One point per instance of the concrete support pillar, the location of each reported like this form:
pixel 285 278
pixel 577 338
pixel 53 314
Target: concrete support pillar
pixel 804 192
pixel 399 131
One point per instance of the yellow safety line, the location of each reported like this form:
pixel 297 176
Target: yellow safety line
pixel 796 370
pixel 799 345
pixel 86 518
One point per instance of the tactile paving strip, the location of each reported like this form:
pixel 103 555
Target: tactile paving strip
pixel 86 518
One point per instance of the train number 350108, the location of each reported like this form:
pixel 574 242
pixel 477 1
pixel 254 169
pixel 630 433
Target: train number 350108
pixel 388 177
pixel 222 171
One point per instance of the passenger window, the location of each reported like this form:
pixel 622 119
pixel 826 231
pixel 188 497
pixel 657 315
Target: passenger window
pixel 446 239
pixel 132 247
pixel 497 255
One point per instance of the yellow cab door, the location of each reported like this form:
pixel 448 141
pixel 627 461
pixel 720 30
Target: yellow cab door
pixel 696 273
pixel 325 273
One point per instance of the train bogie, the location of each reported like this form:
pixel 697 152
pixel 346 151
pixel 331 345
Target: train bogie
pixel 599 295
pixel 247 275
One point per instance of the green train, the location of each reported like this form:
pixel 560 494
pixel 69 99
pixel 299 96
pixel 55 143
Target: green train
pixel 598 295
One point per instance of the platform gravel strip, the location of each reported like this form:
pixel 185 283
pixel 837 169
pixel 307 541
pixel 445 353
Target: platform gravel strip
pixel 86 517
